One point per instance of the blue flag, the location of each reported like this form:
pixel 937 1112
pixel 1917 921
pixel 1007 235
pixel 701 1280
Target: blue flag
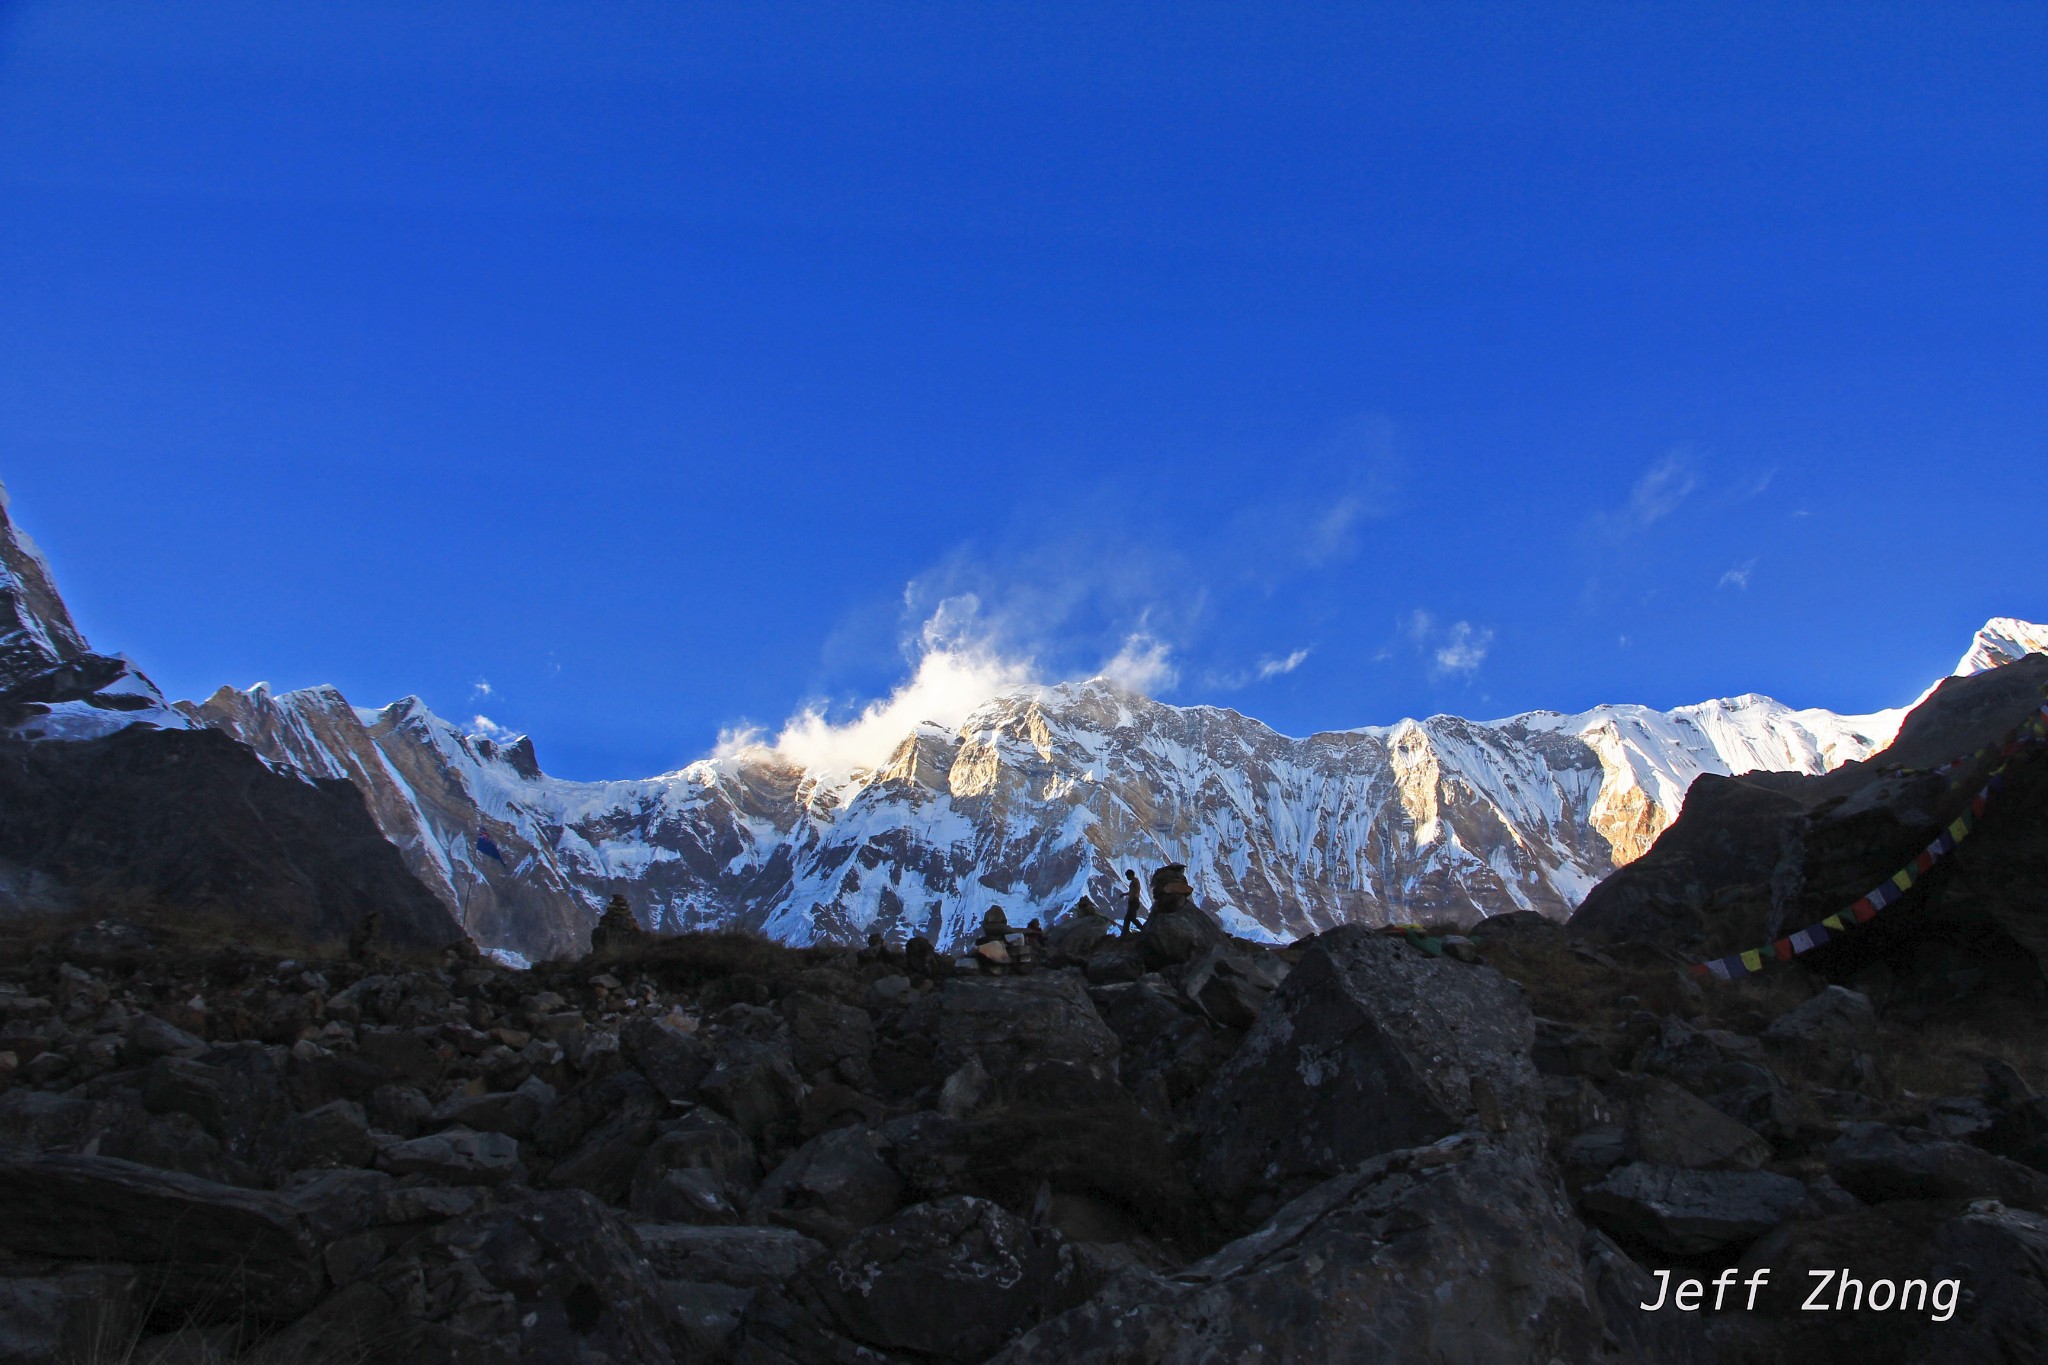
pixel 486 847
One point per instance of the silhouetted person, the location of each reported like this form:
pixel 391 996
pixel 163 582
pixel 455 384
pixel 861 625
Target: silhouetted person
pixel 1134 904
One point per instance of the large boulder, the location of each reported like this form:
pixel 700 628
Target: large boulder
pixel 1366 1047
pixel 756 1085
pixel 1727 1070
pixel 67 1313
pixel 455 1156
pixel 214 1248
pixel 1230 985
pixel 672 1058
pixel 830 1188
pixel 1691 1213
pixel 746 1258
pixel 698 1169
pixel 1014 1024
pixel 555 1277
pixel 1460 1253
pixel 1179 935
pixel 950 1280
pixel 1877 1162
pixel 1674 1127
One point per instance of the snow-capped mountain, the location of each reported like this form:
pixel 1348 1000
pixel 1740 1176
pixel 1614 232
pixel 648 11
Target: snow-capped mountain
pixel 2000 642
pixel 54 685
pixel 1041 795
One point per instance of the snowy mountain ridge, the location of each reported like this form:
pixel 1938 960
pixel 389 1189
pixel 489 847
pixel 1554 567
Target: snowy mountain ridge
pixel 1040 796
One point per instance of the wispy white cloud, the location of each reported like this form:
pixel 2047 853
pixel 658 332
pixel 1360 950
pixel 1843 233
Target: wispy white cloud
pixel 1738 577
pixel 957 667
pixel 1144 664
pixel 1659 491
pixel 488 728
pixel 1273 668
pixel 1464 648
pixel 1757 486
pixel 480 688
pixel 1457 649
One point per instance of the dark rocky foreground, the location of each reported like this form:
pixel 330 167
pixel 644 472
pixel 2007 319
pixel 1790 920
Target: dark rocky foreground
pixel 1177 1148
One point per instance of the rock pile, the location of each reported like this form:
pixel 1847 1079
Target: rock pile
pixel 1179 1148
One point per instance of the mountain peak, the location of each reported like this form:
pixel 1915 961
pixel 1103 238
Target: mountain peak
pixel 2002 640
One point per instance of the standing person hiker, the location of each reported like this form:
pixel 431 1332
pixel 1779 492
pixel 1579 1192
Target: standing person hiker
pixel 1134 905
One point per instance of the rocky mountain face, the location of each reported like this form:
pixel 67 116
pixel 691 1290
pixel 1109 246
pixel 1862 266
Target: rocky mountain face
pixel 1754 858
pixel 1040 796
pixel 110 797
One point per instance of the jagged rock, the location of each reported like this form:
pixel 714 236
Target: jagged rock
pixel 674 1061
pixel 1963 1117
pixel 1619 1288
pixel 2001 1257
pixel 553 1278
pixel 944 1281
pixel 67 1313
pixel 1013 1024
pixel 1229 986
pixel 1114 960
pixel 404 1056
pixel 1674 1127
pixel 1836 1020
pixel 756 1086
pixel 1175 936
pixel 1727 1070
pixel 235 1092
pixel 455 1156
pixel 603 1163
pixel 1691 1213
pixel 706 1315
pixel 1167 1048
pixel 197 1243
pixel 1460 1253
pixel 828 1035
pixel 1076 937
pixel 1877 1162
pixel 149 1036
pixel 46 1121
pixel 699 1169
pixel 747 1258
pixel 1366 1047
pixel 194 819
pixel 1597 1149
pixel 511 1112
pixel 334 1135
pixel 398 1109
pixel 964 1090
pixel 1562 1050
pixel 829 1188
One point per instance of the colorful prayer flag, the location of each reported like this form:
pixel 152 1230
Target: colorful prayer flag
pixel 1834 922
pixel 1753 960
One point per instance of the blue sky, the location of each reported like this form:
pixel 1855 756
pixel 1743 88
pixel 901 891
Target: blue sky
pixel 670 369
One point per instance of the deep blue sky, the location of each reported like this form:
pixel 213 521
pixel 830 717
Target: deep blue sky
pixel 666 366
